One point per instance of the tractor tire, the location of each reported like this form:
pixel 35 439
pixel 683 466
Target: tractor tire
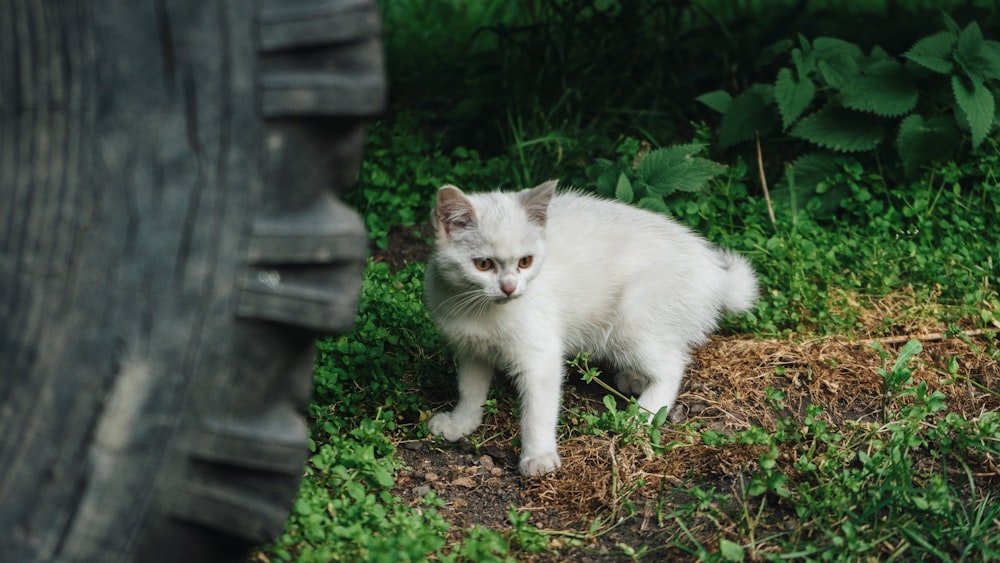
pixel 171 243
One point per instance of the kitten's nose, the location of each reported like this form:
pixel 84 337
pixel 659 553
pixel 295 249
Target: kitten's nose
pixel 508 289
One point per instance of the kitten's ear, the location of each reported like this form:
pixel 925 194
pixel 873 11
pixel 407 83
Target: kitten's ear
pixel 453 211
pixel 536 201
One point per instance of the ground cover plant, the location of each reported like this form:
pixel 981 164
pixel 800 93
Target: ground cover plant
pixel 854 415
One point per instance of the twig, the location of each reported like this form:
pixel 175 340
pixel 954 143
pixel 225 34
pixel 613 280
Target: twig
pixel 763 180
pixel 929 337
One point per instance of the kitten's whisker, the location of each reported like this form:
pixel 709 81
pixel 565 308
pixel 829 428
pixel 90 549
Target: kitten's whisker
pixel 465 303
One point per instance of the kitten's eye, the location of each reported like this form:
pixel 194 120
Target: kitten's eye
pixel 483 264
pixel 525 262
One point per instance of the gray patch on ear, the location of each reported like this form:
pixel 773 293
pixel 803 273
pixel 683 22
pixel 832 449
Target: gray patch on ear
pixel 453 210
pixel 536 201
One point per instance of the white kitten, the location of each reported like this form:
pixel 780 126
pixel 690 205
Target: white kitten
pixel 520 281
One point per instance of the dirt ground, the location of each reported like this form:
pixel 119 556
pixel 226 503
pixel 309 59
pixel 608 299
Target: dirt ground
pixel 724 390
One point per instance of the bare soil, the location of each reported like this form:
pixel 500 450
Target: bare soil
pixel 724 390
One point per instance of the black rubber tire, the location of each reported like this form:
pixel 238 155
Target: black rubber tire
pixel 170 245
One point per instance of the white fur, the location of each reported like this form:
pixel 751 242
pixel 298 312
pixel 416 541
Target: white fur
pixel 628 286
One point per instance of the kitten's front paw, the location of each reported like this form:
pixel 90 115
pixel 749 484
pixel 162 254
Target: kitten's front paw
pixel 450 426
pixel 540 464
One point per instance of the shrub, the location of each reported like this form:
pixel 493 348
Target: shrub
pixel 836 97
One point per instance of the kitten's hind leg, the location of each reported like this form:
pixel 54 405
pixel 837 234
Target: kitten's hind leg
pixel 474 377
pixel 631 382
pixel 661 367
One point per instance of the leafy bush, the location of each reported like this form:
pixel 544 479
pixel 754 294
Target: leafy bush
pixel 649 177
pixel 839 98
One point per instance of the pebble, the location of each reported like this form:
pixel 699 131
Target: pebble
pixel 421 491
pixel 464 482
pixel 487 463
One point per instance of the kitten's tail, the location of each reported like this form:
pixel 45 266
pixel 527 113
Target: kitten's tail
pixel 739 290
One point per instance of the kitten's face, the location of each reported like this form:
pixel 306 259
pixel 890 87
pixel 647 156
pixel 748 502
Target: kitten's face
pixel 491 246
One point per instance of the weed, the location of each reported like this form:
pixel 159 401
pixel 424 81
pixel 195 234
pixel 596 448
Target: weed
pixel 633 424
pixel 481 544
pixel 648 177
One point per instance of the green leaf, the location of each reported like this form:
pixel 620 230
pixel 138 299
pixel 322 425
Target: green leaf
pixel 922 141
pixel 991 60
pixel 383 477
pixel 610 404
pixel 608 179
pixel 731 551
pixel 813 168
pixel 831 48
pixel 972 55
pixel 804 58
pixel 837 60
pixel 659 418
pixel 793 96
pixel 623 191
pixel 752 110
pixel 712 438
pixel 656 168
pixel 355 490
pixel 811 172
pixel 949 22
pixel 718 100
pixel 996 114
pixel 970 41
pixel 934 52
pixel 906 353
pixel 878 55
pixel 885 89
pixel 654 204
pixel 840 129
pixel 695 174
pixel 675 168
pixel 977 106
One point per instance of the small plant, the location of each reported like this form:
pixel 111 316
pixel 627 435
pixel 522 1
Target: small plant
pixel 481 544
pixel 649 177
pixel 898 378
pixel 632 425
pixel 527 536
